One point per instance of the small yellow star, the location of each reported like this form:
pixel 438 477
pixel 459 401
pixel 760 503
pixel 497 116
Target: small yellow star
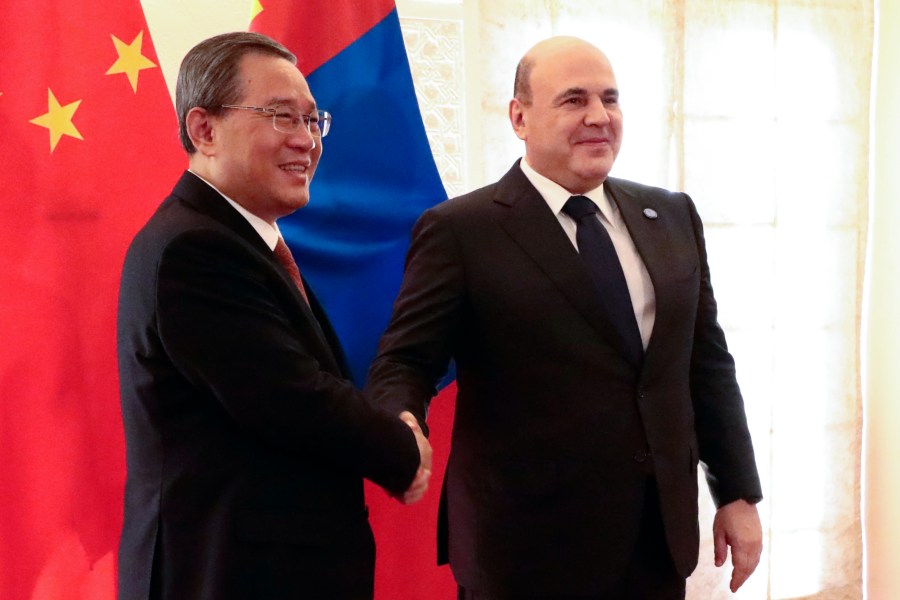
pixel 257 8
pixel 58 119
pixel 130 59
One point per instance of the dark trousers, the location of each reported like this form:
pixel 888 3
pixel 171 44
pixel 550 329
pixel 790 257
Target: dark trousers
pixel 650 574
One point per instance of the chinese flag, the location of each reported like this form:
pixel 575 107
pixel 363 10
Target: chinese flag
pixel 89 147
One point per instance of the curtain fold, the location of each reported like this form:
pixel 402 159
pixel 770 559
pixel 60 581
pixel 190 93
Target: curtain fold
pixel 882 340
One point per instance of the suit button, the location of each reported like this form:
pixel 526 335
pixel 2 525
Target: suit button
pixel 641 456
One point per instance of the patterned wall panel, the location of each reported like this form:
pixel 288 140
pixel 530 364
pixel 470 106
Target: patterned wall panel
pixel 435 49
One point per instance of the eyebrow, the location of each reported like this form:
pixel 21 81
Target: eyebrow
pixel 572 91
pixel 580 91
pixel 282 101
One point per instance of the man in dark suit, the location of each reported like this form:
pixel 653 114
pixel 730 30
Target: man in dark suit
pixel 588 390
pixel 246 444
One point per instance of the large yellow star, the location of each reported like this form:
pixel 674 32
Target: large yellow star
pixel 58 119
pixel 255 9
pixel 130 59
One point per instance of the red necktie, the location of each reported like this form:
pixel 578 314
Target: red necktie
pixel 284 256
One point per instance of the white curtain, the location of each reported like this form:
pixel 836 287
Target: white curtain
pixel 882 375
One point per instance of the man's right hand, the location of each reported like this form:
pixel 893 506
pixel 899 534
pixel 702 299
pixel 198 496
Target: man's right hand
pixel 419 485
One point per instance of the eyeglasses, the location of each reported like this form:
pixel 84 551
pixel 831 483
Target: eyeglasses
pixel 317 122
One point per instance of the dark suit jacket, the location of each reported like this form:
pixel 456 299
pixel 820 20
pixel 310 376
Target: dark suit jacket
pixel 246 443
pixel 555 431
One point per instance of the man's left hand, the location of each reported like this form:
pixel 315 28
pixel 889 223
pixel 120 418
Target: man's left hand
pixel 737 525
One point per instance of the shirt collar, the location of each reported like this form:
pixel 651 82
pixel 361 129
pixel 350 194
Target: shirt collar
pixel 269 233
pixel 556 195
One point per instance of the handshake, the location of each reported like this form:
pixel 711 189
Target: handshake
pixel 419 485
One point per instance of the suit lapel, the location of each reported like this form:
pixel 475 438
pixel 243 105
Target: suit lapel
pixel 203 198
pixel 532 225
pixel 652 239
pixel 327 332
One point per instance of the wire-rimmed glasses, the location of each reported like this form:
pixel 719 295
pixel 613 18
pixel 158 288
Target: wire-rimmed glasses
pixel 317 123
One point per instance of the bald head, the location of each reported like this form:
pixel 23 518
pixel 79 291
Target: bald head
pixel 546 50
pixel 566 110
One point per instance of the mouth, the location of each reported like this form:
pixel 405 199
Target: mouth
pixel 596 146
pixel 299 172
pixel 594 141
pixel 294 167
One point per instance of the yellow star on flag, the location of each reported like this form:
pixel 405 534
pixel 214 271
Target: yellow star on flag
pixel 130 59
pixel 58 119
pixel 257 8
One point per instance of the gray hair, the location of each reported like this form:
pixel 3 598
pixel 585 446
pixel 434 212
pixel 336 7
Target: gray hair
pixel 208 77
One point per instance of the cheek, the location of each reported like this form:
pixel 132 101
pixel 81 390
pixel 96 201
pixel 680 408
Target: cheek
pixel 618 125
pixel 315 155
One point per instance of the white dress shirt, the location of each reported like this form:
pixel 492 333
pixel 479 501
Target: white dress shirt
pixel 269 233
pixel 640 288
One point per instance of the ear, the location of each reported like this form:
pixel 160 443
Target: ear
pixel 200 128
pixel 517 118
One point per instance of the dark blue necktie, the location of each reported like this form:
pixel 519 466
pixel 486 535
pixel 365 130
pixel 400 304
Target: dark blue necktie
pixel 600 258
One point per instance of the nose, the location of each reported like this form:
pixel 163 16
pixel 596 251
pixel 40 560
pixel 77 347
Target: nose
pixel 302 139
pixel 596 113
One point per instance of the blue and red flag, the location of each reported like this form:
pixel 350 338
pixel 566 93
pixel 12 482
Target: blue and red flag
pixel 377 175
pixel 377 172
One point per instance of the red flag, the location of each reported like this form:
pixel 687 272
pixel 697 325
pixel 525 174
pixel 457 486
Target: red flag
pixel 296 25
pixel 89 147
pixel 406 536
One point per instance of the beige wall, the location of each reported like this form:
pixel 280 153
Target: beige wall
pixel 176 26
pixel 882 345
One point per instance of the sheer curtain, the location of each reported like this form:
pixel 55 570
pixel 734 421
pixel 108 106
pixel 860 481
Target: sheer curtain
pixel 882 338
pixel 760 110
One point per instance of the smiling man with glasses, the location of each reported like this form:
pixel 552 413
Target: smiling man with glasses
pixel 246 443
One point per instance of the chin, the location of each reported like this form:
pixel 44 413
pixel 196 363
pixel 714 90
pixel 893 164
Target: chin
pixel 593 164
pixel 292 204
pixel 592 179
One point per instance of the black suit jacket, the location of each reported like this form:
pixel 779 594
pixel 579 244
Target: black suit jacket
pixel 246 443
pixel 555 430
